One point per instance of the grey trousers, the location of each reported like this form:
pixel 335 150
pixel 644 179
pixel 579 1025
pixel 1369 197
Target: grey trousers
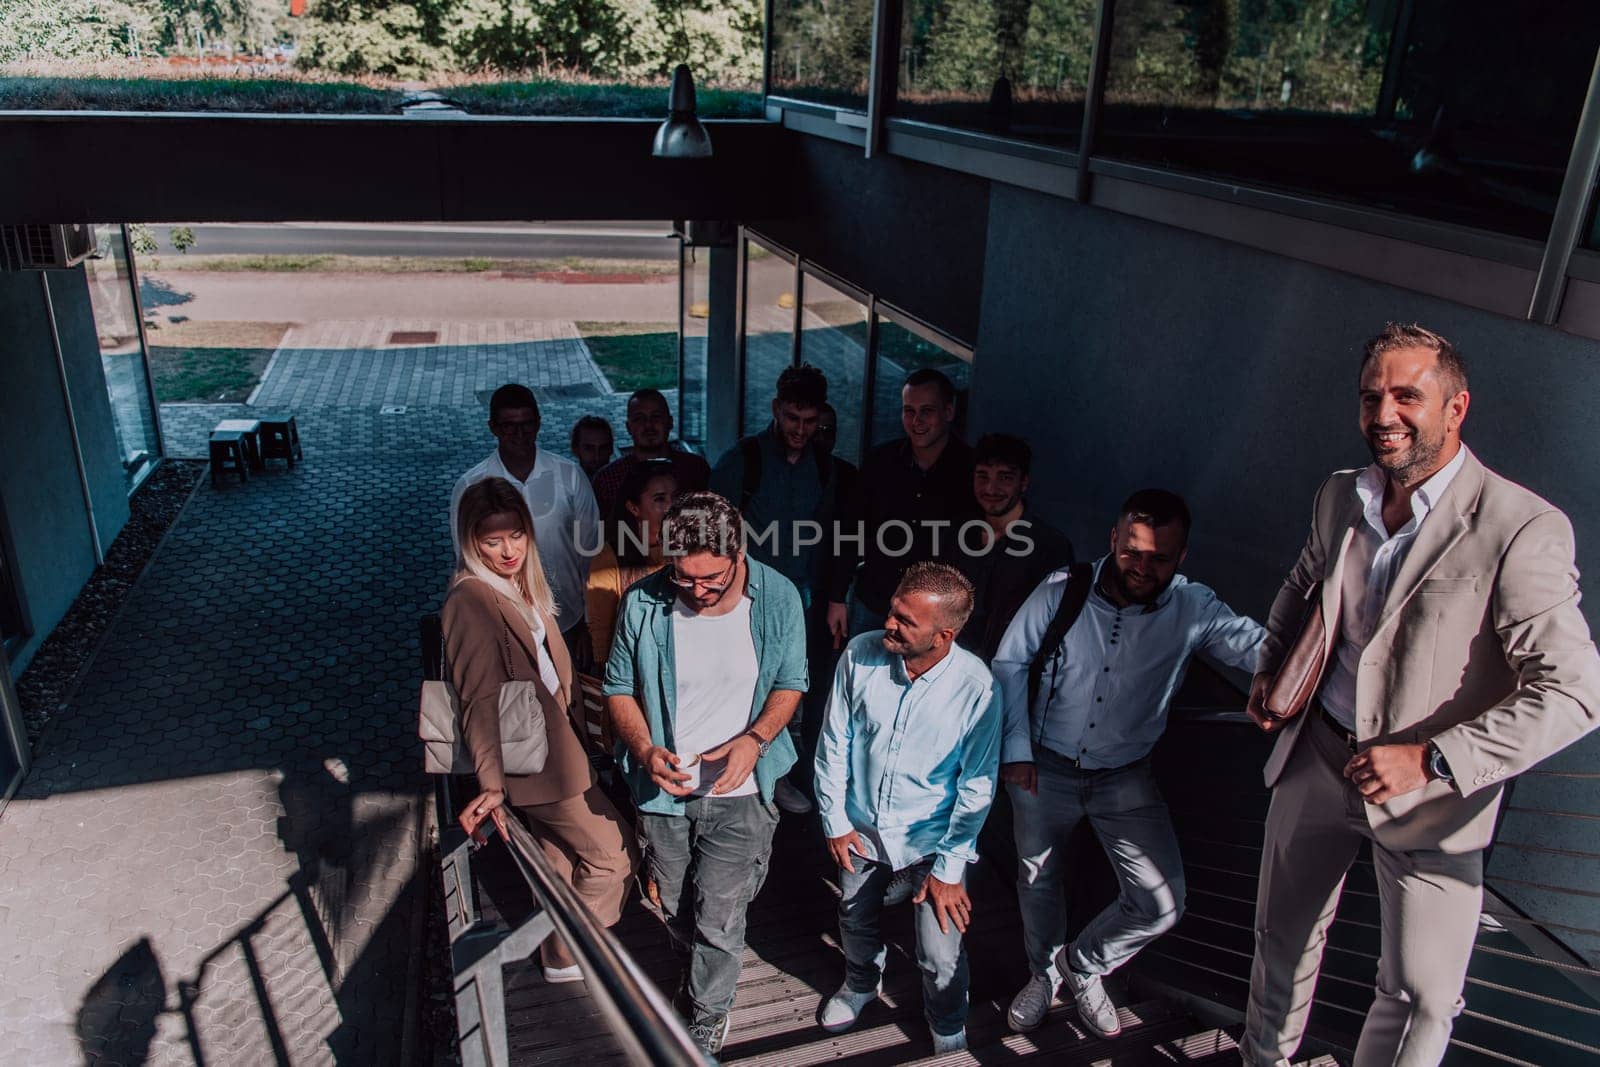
pixel 709 863
pixel 1429 903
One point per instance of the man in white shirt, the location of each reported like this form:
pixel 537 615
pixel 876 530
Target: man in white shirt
pixel 1079 747
pixel 566 521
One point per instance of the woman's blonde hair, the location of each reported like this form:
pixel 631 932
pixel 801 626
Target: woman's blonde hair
pixel 495 496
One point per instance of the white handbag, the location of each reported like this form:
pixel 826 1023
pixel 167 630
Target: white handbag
pixel 524 743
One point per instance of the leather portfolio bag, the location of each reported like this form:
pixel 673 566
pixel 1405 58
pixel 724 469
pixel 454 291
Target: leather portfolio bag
pixel 1296 681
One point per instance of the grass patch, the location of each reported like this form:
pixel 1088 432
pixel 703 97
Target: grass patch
pixel 207 374
pixel 342 264
pixel 552 98
pixel 634 355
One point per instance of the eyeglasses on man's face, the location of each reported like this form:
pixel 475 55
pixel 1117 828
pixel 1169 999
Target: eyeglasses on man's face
pixel 715 584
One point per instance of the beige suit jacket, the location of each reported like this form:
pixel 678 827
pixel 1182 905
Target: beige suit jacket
pixel 1480 647
pixel 487 642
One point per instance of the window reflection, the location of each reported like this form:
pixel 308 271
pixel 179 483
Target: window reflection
pixel 899 352
pixel 768 330
pixel 1014 68
pixel 1464 111
pixel 833 338
pixel 116 320
pixel 821 51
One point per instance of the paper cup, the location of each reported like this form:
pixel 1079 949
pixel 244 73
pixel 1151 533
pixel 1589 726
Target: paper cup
pixel 691 767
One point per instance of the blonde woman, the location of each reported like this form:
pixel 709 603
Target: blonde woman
pixel 499 625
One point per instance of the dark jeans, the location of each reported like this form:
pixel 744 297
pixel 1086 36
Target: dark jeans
pixel 708 864
pixel 806 726
pixel 942 957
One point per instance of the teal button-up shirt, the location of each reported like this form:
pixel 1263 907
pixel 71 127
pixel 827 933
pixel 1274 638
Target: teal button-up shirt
pixel 910 765
pixel 641 666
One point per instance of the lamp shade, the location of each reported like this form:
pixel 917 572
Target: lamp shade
pixel 682 136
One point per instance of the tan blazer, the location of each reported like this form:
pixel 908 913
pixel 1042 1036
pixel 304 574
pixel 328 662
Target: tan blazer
pixel 1480 647
pixel 477 622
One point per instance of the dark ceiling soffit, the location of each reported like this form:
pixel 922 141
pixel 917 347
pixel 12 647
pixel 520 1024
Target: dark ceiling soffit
pixel 97 166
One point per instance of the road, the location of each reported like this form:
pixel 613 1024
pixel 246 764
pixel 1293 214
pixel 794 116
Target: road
pixel 499 240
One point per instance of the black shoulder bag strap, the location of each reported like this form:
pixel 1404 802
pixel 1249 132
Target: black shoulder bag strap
pixel 750 452
pixel 1079 579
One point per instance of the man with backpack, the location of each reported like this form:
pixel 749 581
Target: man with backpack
pixel 784 484
pixel 1087 669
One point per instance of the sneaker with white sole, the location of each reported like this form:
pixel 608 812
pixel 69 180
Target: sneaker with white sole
pixel 844 1008
pixel 790 799
pixel 557 975
pixel 943 1043
pixel 1094 1005
pixel 710 1035
pixel 1032 1004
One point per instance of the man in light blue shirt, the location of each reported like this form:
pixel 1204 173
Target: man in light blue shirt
pixel 1080 749
pixel 905 774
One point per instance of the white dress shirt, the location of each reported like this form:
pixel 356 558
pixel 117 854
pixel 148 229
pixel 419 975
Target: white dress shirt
pixel 1370 566
pixel 1103 699
pixel 566 523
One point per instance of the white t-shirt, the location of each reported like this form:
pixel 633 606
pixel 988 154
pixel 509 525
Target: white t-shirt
pixel 714 659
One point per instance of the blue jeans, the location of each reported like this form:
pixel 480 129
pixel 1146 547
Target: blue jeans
pixel 1128 816
pixel 942 957
pixel 708 864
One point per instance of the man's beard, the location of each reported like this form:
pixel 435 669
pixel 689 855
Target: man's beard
pixel 1417 459
pixel 1127 593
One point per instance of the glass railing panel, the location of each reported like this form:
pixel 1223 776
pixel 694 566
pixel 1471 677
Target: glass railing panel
pixel 833 338
pixel 769 297
pixel 899 352
pixel 116 319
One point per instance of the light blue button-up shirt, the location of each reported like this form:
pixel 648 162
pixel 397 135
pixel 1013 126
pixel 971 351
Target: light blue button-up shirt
pixel 1104 701
pixel 908 764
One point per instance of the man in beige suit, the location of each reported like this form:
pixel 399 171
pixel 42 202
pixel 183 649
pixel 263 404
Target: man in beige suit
pixel 1456 657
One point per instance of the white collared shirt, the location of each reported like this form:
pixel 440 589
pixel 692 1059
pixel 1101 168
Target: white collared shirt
pixel 1104 694
pixel 1370 567
pixel 566 523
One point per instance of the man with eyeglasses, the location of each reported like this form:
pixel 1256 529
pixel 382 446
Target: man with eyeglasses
pixel 707 669
pixel 559 498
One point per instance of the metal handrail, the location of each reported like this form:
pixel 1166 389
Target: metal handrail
pixel 639 1016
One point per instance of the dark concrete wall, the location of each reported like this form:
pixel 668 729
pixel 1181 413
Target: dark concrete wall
pixel 48 529
pixel 906 232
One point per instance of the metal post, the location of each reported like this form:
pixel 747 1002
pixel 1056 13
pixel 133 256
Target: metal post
pixel 1394 60
pixel 144 344
pixel 1572 209
pixel 740 326
pixel 881 71
pixel 12 733
pixel 799 306
pixel 869 379
pixel 684 288
pixel 1094 95
pixel 72 421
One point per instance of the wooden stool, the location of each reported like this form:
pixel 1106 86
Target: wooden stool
pixel 280 439
pixel 251 429
pixel 228 454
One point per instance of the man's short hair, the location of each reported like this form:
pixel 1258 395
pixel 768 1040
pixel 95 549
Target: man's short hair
pixel 648 394
pixel 702 522
pixel 804 386
pixel 1156 507
pixel 589 422
pixel 943 581
pixel 929 376
pixel 1398 335
pixel 509 397
pixel 1005 448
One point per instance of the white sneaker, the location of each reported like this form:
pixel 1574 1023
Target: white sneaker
pixel 1094 1006
pixel 1032 1004
pixel 844 1008
pixel 557 975
pixel 790 799
pixel 943 1043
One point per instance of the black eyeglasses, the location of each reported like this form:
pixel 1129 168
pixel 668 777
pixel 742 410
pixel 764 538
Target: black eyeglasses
pixel 720 585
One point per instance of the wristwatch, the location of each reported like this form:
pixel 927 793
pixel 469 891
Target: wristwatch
pixel 762 744
pixel 1437 765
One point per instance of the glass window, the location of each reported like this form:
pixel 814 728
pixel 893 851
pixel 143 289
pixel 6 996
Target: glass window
pixel 769 284
pixel 116 319
pixel 12 623
pixel 833 338
pixel 1014 69
pixel 821 51
pixel 901 351
pixel 695 288
pixel 1464 112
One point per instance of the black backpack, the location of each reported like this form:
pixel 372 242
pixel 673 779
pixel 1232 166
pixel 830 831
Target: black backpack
pixel 1080 577
pixel 750 451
